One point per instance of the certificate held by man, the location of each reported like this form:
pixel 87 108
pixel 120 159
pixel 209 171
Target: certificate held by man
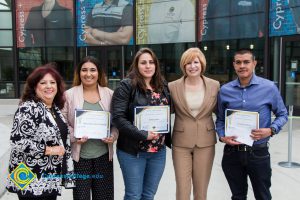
pixel 93 124
pixel 240 123
pixel 152 118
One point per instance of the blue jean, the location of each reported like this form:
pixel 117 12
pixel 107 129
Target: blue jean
pixel 238 165
pixel 141 173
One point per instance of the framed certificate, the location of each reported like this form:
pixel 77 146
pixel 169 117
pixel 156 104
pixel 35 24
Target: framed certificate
pixel 152 118
pixel 93 124
pixel 240 123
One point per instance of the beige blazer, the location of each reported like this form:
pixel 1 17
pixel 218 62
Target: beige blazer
pixel 192 131
pixel 74 99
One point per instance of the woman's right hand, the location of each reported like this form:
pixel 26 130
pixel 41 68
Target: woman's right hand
pixel 152 135
pixel 82 140
pixel 55 150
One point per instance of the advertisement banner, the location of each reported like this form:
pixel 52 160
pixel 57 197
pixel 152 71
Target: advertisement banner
pixel 231 19
pixel 165 21
pixel 101 24
pixel 284 17
pixel 44 23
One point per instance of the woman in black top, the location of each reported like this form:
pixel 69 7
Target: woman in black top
pixel 141 154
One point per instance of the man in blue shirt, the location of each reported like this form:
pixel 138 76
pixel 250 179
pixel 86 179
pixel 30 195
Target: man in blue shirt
pixel 249 93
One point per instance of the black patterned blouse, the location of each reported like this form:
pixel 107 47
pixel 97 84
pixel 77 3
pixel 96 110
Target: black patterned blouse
pixel 156 99
pixel 34 128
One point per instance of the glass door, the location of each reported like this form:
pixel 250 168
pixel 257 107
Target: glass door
pixel 114 69
pixel 111 62
pixel 291 72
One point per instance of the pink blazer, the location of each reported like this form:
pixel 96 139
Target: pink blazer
pixel 75 100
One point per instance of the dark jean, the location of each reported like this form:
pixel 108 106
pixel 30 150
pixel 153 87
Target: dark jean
pixel 141 173
pixel 238 165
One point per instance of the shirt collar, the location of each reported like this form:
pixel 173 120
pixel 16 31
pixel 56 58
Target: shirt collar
pixel 113 2
pixel 254 80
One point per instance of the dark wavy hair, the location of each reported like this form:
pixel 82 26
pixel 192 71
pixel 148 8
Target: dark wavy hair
pixel 102 81
pixel 137 79
pixel 33 79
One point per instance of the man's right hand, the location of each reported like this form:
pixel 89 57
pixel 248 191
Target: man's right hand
pixel 230 140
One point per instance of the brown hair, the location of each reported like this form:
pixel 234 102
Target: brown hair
pixel 189 55
pixel 138 80
pixel 102 81
pixel 33 79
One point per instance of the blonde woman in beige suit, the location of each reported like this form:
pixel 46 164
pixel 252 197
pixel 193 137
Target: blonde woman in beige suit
pixel 194 138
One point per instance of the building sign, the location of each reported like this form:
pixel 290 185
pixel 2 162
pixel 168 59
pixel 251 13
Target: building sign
pixel 231 19
pixel 284 17
pixel 101 24
pixel 165 21
pixel 44 23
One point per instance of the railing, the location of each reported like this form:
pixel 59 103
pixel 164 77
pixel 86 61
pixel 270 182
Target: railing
pixel 289 163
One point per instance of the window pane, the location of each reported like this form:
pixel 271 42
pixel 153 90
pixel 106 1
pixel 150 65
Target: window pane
pixel 5 4
pixel 7 90
pixel 30 58
pixel 219 57
pixel 5 38
pixel 231 19
pixel 6 20
pixel 6 64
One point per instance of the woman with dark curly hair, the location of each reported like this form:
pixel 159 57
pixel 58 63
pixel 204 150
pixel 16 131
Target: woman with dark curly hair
pixel 40 138
pixel 141 154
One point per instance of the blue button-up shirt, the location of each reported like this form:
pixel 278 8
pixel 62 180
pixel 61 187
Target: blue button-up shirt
pixel 261 95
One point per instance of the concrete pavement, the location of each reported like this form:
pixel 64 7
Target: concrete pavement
pixel 285 181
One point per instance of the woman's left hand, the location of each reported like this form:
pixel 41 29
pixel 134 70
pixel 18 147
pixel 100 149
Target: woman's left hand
pixel 109 140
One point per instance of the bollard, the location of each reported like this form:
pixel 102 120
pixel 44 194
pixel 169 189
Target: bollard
pixel 289 163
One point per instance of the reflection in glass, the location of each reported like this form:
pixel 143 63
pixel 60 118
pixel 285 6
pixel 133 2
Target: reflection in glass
pixel 30 58
pixel 6 64
pixel 295 7
pixel 6 38
pixel 5 4
pixel 6 20
pixel 7 90
pixel 219 58
pixel 232 19
pixel 292 67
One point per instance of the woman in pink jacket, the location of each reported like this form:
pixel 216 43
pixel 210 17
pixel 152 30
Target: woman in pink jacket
pixel 93 157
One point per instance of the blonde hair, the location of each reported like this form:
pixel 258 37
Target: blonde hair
pixel 189 55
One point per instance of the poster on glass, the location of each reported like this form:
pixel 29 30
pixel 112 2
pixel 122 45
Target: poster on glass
pixel 44 23
pixel 104 22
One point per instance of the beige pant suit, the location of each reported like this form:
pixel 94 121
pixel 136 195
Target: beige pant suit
pixel 193 140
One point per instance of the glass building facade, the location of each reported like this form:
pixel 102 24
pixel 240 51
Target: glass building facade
pixel 34 32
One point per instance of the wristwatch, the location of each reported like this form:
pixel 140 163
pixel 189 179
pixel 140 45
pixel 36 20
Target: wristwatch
pixel 273 131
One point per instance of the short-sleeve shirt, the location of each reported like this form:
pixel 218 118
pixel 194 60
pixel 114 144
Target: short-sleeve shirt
pixel 109 18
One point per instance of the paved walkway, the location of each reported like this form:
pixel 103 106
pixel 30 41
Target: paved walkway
pixel 285 181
